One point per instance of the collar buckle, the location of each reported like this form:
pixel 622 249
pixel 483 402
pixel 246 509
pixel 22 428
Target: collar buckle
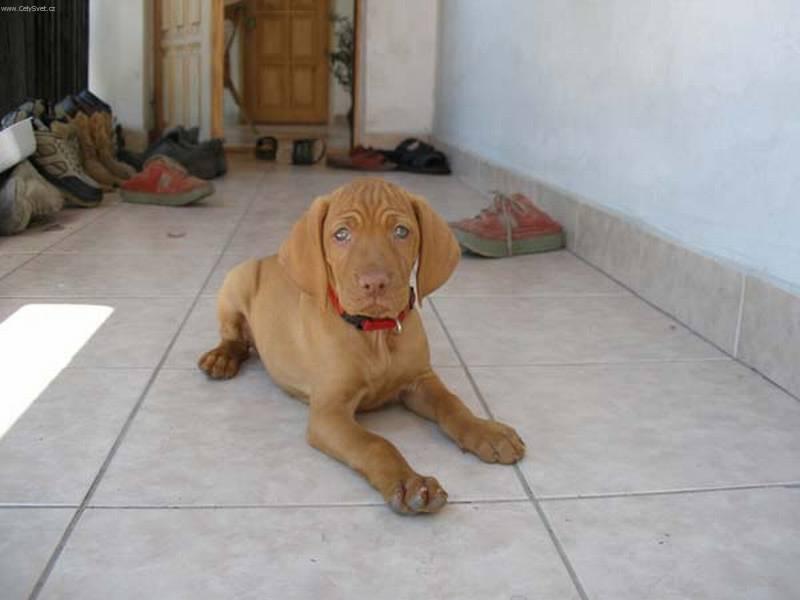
pixel 398 326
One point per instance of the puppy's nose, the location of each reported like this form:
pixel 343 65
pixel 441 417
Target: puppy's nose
pixel 374 282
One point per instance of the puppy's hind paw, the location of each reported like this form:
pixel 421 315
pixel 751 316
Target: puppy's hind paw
pixel 221 362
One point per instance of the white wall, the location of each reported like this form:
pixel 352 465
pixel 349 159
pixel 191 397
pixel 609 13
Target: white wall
pixel 119 61
pixel 399 66
pixel 682 114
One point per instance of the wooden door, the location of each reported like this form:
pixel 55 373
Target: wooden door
pixel 286 62
pixel 182 64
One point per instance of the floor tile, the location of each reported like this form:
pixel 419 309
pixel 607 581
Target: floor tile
pixel 479 552
pixel 552 273
pixel 226 263
pixel 54 450
pixel 523 331
pixel 200 442
pixel 442 353
pixel 136 334
pixel 201 333
pixel 28 537
pixel 143 229
pixel 9 262
pixel 737 545
pixel 623 428
pixel 264 229
pixel 40 236
pixel 66 275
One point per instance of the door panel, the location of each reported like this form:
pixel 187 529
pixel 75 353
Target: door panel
pixel 286 68
pixel 183 59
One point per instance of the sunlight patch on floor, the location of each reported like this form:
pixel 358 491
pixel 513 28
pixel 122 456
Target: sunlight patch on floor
pixel 36 343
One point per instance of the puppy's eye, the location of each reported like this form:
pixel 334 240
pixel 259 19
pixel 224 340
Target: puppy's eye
pixel 342 234
pixel 401 232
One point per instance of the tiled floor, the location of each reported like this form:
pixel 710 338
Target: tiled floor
pixel 657 467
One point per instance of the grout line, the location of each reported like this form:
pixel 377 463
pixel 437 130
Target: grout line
pixel 91 296
pixel 738 332
pixel 609 363
pixel 4 505
pixel 366 504
pixel 675 492
pixel 457 296
pixel 520 476
pixel 40 582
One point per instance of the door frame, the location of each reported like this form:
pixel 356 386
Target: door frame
pixel 217 66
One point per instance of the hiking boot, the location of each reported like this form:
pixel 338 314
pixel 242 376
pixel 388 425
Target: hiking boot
pixel 89 156
pixel 164 181
pixel 101 135
pixel 509 226
pixel 132 159
pixel 25 197
pixel 88 99
pixel 58 159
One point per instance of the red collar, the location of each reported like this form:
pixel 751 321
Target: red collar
pixel 368 323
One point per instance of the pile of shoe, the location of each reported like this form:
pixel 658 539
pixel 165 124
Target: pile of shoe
pixel 80 154
pixel 74 146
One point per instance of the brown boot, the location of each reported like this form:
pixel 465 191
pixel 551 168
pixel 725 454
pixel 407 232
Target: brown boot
pixel 89 158
pixel 101 134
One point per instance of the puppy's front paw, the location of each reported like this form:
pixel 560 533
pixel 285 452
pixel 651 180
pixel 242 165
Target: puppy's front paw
pixel 417 494
pixel 219 363
pixel 492 442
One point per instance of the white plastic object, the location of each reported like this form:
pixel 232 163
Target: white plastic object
pixel 16 144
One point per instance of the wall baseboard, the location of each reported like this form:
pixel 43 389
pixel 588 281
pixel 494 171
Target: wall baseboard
pixel 746 316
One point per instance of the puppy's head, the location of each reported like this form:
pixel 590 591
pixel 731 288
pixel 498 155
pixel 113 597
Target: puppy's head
pixel 363 240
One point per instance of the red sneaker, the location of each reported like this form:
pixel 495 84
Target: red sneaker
pixel 509 226
pixel 164 181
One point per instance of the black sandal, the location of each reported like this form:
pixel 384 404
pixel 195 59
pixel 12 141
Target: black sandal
pixel 415 156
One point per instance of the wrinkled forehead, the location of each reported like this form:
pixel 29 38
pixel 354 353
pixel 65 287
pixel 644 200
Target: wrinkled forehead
pixel 370 198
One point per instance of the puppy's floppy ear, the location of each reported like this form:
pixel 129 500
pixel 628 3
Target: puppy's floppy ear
pixel 302 255
pixel 439 251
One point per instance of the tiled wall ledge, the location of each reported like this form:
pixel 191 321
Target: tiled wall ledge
pixel 744 315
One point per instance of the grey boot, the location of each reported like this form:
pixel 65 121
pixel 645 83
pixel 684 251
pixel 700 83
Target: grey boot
pixel 26 196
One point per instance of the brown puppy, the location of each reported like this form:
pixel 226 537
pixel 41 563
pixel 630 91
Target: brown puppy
pixel 355 248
